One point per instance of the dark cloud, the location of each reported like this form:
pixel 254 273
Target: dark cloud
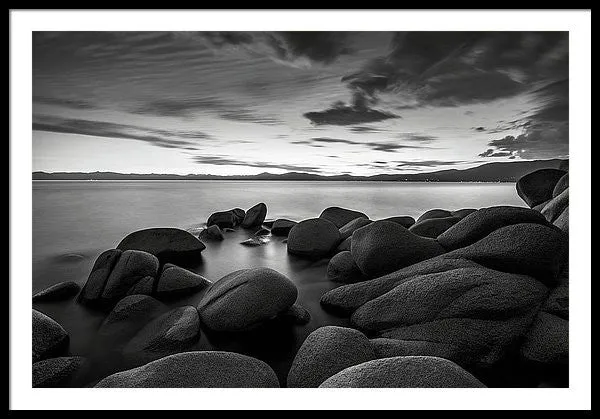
pixel 361 130
pixel 341 114
pixel 189 140
pixel 479 129
pixel 428 163
pixel 333 140
pixel 65 103
pixel 377 146
pixel 421 138
pixel 186 108
pixel 491 153
pixel 226 161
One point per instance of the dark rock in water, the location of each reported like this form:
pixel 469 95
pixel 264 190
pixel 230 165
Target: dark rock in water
pixel 548 340
pixel 56 372
pixel 383 247
pixel 268 223
pixel 144 286
pixel 347 298
pixel 92 290
pixel 207 369
pixel 344 246
pixel 262 232
pixel 341 216
pixel 530 249
pixel 404 220
pixel 389 348
pixel 172 332
pixel 561 185
pixel 177 281
pixel 296 314
pixel 537 187
pixel 246 298
pixel 212 233
pixel 477 225
pixel 223 219
pixel 57 292
pixel 433 227
pixel 255 216
pixel 168 244
pixel 327 351
pixel 347 229
pixel 342 268
pixel 434 213
pixel 48 337
pixel 556 206
pixel 462 213
pixel 255 241
pixel 132 266
pixel 282 227
pixel 228 230
pixel 238 216
pixel 476 313
pixel 562 221
pixel 404 372
pixel 313 238
pixel 70 258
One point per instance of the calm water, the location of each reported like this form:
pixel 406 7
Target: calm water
pixel 73 221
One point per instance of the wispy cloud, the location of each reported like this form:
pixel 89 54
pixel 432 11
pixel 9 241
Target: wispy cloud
pixel 373 145
pixel 65 102
pixel 227 161
pixel 341 114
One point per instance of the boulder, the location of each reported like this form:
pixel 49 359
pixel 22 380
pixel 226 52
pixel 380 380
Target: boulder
pixel 246 298
pixel 433 227
pixel 383 247
pixel 557 302
pixel 177 281
pixel 341 216
pixel 537 187
pixel 434 213
pixel 57 292
pixel 132 266
pixel 404 372
pixel 344 246
pixel 172 332
pixel 144 286
pixel 530 249
pixel 48 337
pixel 168 244
pixel 561 185
pixel 479 224
pixel 404 220
pixel 327 351
pixel 548 340
pixel 347 229
pixel 313 238
pixel 223 219
pixel 282 227
pixel 342 268
pixel 56 372
pixel 92 290
pixel 556 206
pixel 255 216
pixel 562 221
pixel 388 348
pixel 211 233
pixel 462 213
pixel 296 314
pixel 207 369
pixel 268 223
pixel 238 216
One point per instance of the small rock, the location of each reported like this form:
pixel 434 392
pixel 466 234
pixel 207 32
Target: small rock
pixel 255 241
pixel 282 227
pixel 212 233
pixel 56 372
pixel 341 216
pixel 223 219
pixel 296 314
pixel 177 281
pixel 255 216
pixel 313 238
pixel 48 337
pixel 57 292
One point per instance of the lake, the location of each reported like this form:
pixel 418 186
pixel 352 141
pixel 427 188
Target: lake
pixel 74 221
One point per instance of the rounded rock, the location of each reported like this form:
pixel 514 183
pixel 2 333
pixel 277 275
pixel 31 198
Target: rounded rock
pixel 168 244
pixel 281 227
pixel 255 216
pixel 342 268
pixel 313 238
pixel 341 216
pixel 57 292
pixel 433 227
pixel 537 187
pixel 48 337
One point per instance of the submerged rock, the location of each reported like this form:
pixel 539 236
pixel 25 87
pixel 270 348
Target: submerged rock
pixel 313 238
pixel 255 216
pixel 255 241
pixel 48 337
pixel 341 216
pixel 168 244
pixel 282 227
pixel 57 292
pixel 404 372
pixel 56 372
pixel 211 233
pixel 207 369
pixel 223 219
pixel 537 187
pixel 246 298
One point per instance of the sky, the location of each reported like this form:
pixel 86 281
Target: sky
pixel 360 103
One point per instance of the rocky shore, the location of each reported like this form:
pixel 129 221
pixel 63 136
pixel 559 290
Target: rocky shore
pixel 456 298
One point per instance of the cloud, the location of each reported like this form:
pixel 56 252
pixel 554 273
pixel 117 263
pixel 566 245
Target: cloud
pixel 428 163
pixel 188 140
pixel 376 146
pixel 479 129
pixel 65 103
pixel 226 161
pixel 360 129
pixel 186 108
pixel 491 153
pixel 421 138
pixel 341 114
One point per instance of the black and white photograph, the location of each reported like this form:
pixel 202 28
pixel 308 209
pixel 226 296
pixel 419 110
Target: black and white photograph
pixel 228 207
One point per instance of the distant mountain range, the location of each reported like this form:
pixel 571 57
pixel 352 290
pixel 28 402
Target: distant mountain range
pixel 489 172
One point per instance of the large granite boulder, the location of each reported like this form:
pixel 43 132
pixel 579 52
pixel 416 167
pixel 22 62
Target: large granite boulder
pixel 384 246
pixel 208 369
pixel 57 292
pixel 211 233
pixel 281 227
pixel 561 185
pixel 245 299
pixel 562 221
pixel 168 244
pixel 479 224
pixel 547 341
pixel 553 209
pixel 48 337
pixel 347 229
pixel 175 281
pixel 537 187
pixel 223 219
pixel 341 216
pixel 405 221
pixel 342 268
pixel 433 227
pixel 57 372
pixel 327 351
pixel 434 213
pixel 255 216
pixel 404 372
pixel 313 238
